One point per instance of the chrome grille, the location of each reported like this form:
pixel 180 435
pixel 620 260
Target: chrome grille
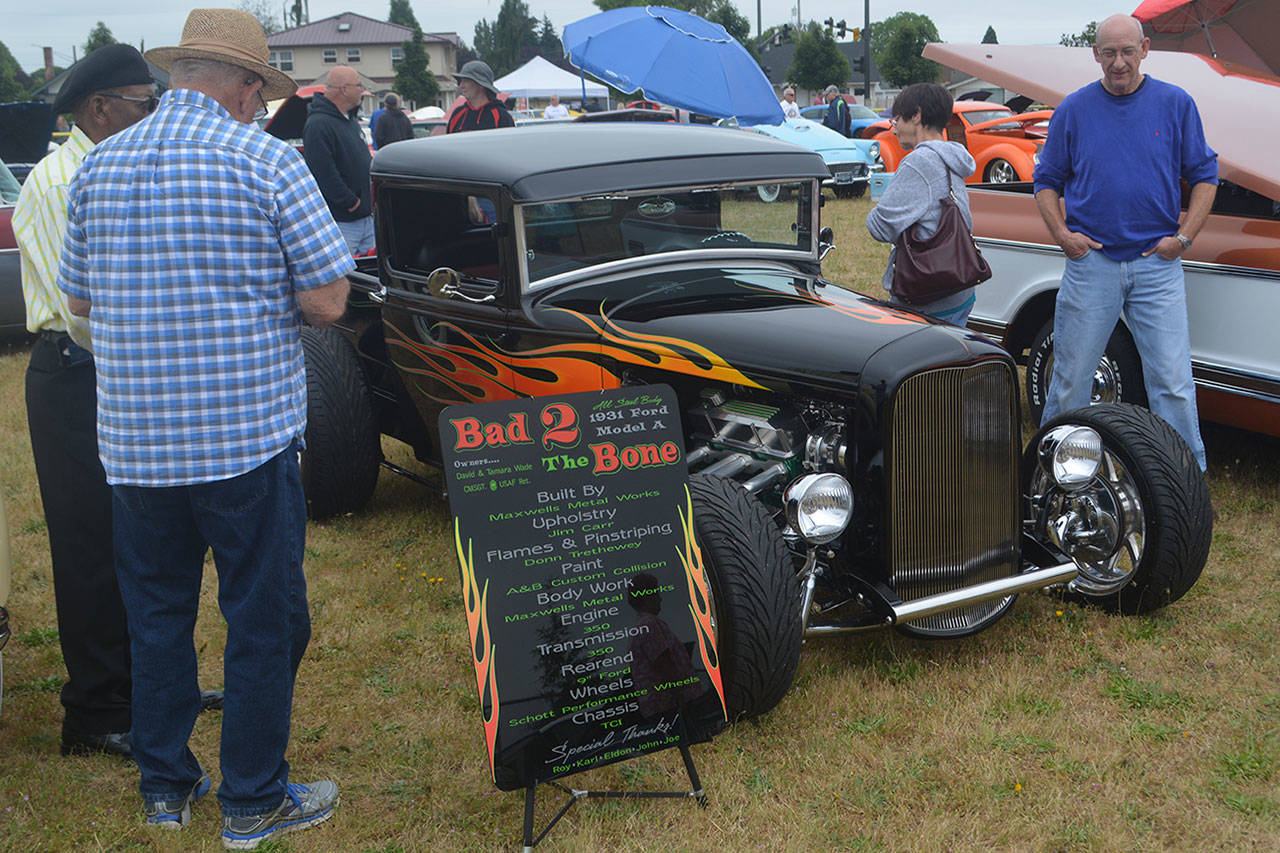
pixel 953 492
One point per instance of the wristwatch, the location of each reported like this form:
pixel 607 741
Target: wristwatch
pixel 1184 240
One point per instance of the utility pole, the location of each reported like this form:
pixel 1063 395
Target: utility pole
pixel 866 55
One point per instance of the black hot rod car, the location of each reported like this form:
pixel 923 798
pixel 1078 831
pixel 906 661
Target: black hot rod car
pixel 853 465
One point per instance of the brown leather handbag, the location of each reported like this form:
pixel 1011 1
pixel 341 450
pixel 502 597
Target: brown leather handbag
pixel 946 263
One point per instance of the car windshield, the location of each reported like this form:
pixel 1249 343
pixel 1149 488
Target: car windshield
pixel 859 111
pixel 564 236
pixel 979 116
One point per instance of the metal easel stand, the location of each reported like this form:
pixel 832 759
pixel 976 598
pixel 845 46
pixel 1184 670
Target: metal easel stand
pixel 530 841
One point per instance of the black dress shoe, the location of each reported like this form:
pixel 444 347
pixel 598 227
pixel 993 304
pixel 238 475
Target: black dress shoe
pixel 113 743
pixel 210 700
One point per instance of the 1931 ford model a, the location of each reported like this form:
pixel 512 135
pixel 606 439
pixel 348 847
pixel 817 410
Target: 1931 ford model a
pixel 853 465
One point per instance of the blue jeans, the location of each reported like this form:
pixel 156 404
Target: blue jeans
pixel 1152 294
pixel 255 524
pixel 358 234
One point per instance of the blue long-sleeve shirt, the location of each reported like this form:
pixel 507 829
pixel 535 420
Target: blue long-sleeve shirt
pixel 1117 160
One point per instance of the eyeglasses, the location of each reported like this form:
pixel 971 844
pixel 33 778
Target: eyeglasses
pixel 1109 54
pixel 261 112
pixel 149 103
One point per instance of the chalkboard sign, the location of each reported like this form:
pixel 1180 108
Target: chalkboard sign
pixel 584 587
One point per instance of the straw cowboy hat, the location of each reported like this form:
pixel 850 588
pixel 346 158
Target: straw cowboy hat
pixel 226 35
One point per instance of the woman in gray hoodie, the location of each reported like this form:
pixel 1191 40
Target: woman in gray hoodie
pixel 931 167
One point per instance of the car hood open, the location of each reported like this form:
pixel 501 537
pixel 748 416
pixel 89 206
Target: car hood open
pixel 1238 106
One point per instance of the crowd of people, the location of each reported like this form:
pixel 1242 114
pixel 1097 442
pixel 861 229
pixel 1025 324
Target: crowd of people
pixel 171 252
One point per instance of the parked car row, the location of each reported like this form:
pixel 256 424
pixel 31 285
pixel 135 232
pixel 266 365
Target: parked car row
pixel 1006 145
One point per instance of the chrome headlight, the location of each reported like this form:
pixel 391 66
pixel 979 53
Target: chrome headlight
pixel 819 506
pixel 875 151
pixel 1071 455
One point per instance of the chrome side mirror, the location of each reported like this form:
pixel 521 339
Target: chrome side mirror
pixel 443 283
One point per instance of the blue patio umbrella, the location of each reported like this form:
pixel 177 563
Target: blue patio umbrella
pixel 675 57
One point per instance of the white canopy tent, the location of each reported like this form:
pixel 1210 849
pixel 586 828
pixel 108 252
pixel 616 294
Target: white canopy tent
pixel 538 78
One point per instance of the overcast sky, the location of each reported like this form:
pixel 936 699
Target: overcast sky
pixel 65 24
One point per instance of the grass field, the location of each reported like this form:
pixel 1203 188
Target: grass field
pixel 1060 728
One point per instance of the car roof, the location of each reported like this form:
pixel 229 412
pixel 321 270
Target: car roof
pixel 571 160
pixel 1238 106
pixel 975 106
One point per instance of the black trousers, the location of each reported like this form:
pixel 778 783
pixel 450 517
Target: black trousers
pixel 62 416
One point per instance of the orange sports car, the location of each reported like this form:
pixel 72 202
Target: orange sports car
pixel 1005 144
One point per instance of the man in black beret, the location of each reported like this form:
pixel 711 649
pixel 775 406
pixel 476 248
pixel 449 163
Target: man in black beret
pixel 107 91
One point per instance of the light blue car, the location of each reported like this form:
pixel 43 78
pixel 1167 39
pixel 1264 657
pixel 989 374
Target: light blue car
pixel 851 161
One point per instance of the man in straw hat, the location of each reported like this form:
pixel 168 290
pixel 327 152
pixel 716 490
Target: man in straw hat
pixel 482 110
pixel 196 244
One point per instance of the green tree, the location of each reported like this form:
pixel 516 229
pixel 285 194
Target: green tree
pixel 265 12
pixel 402 13
pixel 501 43
pixel 414 80
pixel 98 37
pixel 702 8
pixel 990 36
pixel 14 83
pixel 722 12
pixel 548 42
pixel 817 62
pixel 735 23
pixel 896 43
pixel 1081 39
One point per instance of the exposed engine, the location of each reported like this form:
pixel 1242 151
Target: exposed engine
pixel 764 447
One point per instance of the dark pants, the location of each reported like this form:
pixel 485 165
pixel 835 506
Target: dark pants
pixel 255 525
pixel 62 415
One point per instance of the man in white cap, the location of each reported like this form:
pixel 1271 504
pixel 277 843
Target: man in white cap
pixel 196 245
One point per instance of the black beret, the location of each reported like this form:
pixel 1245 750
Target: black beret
pixel 108 67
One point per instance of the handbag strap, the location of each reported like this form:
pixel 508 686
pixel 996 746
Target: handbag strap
pixel 946 171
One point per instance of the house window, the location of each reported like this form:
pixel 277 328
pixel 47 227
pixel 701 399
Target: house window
pixel 397 54
pixel 353 55
pixel 281 59
pixel 329 56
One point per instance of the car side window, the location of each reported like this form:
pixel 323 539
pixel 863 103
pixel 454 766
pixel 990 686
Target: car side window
pixel 432 229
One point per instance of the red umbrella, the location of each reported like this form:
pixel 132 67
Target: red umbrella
pixel 1244 32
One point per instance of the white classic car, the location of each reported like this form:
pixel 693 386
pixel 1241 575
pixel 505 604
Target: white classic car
pixel 1232 269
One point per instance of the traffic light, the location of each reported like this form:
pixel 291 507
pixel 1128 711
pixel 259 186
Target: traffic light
pixel 859 64
pixel 842 27
pixel 857 33
pixel 831 24
pixel 786 32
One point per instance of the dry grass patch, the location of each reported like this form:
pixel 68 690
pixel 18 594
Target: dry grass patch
pixel 1060 728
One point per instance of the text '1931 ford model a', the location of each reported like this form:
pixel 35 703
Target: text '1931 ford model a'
pixel 852 465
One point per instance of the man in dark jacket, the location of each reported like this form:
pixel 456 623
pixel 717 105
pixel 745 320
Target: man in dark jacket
pixel 837 116
pixel 338 156
pixel 394 126
pixel 482 111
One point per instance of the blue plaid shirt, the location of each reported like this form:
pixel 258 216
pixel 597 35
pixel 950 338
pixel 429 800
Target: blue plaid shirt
pixel 190 232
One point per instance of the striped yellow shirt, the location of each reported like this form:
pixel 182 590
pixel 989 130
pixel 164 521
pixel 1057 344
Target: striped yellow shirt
pixel 39 224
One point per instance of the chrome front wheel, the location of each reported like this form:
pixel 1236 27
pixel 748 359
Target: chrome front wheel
pixel 1139 528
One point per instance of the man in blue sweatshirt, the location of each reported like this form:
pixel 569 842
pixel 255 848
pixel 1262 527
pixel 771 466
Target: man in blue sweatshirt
pixel 1117 152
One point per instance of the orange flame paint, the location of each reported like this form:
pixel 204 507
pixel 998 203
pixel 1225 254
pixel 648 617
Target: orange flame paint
pixel 476 601
pixel 700 602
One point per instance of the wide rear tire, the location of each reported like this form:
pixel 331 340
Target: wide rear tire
pixel 755 595
pixel 343 453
